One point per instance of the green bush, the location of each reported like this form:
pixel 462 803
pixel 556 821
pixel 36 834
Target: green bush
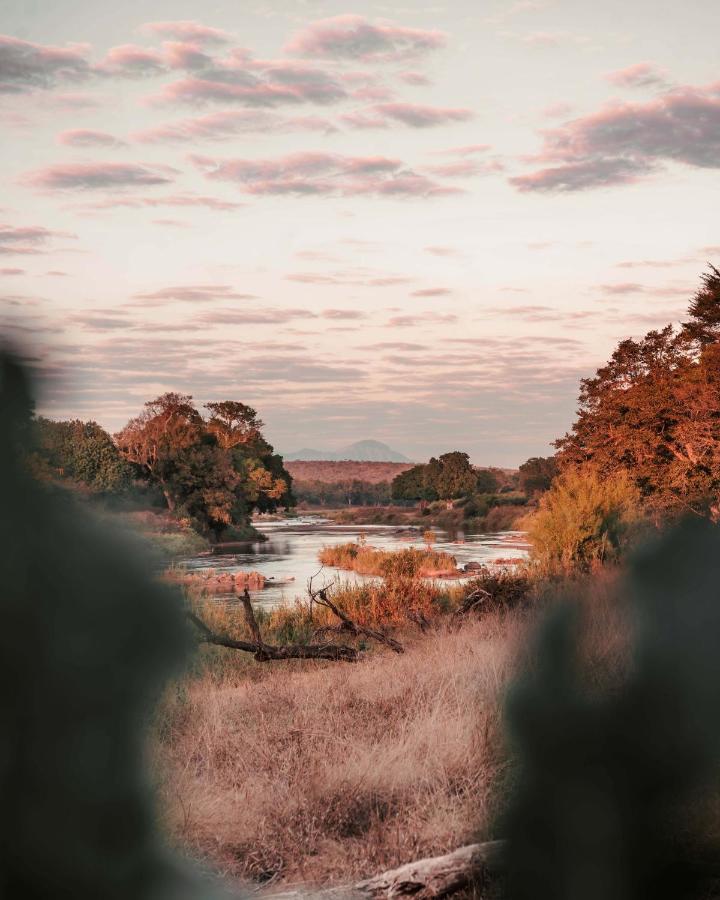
pixel 584 520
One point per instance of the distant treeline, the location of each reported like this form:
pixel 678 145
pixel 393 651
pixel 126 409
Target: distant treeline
pixel 342 493
pixel 212 470
pixel 346 470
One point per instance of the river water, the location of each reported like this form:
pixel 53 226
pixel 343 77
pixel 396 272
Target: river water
pixel 289 556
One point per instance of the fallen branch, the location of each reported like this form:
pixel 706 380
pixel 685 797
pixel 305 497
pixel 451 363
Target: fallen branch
pixel 473 601
pixel 437 876
pixel 265 652
pixel 347 624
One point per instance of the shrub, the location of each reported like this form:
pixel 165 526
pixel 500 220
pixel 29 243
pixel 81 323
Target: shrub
pixel 367 560
pixel 584 520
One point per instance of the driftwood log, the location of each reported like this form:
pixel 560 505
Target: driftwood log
pixel 439 876
pixel 264 652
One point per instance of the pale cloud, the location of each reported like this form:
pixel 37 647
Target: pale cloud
pixel 96 176
pixel 355 37
pixel 624 142
pixel 27 66
pixel 321 174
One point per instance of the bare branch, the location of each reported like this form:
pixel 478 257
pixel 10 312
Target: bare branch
pixel 265 652
pixel 322 598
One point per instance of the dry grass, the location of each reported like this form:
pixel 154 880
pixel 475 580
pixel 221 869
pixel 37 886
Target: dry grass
pixel 320 773
pixel 366 560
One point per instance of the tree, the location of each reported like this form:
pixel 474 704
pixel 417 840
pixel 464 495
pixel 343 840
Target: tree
pixel 155 439
pixel 487 482
pixel 215 470
pixel 537 473
pixel 454 476
pixel 653 412
pixel 233 423
pixel 79 452
pixel 413 484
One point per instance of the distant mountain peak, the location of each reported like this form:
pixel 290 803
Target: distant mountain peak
pixel 361 451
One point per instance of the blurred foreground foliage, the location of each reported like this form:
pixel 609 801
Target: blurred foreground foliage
pixel 88 641
pixel 616 788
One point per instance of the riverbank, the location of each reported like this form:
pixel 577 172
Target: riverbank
pixel 325 773
pixel 504 517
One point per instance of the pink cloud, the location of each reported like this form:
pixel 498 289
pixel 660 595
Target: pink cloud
pixel 624 141
pixel 269 93
pixel 26 66
pixel 432 292
pixel 96 176
pixel 84 137
pixel 28 239
pixel 321 174
pixel 181 55
pixel 422 319
pixel 581 176
pixel 10 270
pixel 463 168
pixel 467 150
pixel 131 60
pixel 643 74
pixel 229 123
pixel 356 277
pixel 343 314
pixel 185 30
pixel 373 92
pixel 415 115
pixel 192 293
pixel 354 37
pixel 181 200
pixel 417 79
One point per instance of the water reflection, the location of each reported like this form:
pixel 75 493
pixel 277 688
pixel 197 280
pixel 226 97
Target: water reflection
pixel 290 555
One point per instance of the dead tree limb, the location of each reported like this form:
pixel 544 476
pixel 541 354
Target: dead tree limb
pixel 265 652
pixel 474 600
pixel 437 876
pixel 347 624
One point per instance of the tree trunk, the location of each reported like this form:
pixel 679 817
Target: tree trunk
pixel 438 876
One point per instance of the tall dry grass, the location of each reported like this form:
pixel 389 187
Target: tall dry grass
pixel 318 773
pixel 367 560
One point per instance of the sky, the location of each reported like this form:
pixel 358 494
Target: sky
pixel 421 223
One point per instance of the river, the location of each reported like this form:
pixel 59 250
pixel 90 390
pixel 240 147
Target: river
pixel 289 556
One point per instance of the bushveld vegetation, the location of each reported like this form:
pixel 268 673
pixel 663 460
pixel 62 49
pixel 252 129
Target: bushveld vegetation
pixel 366 560
pixel 209 473
pixel 646 443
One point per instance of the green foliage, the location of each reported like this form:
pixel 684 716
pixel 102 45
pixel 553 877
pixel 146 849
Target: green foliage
pixel 353 492
pixel 614 783
pixel 536 474
pixel 584 520
pixel 449 477
pixel 486 482
pixel 413 485
pixel 214 470
pixel 80 452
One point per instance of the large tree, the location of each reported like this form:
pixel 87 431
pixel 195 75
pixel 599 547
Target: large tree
pixel 216 470
pixel 653 412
